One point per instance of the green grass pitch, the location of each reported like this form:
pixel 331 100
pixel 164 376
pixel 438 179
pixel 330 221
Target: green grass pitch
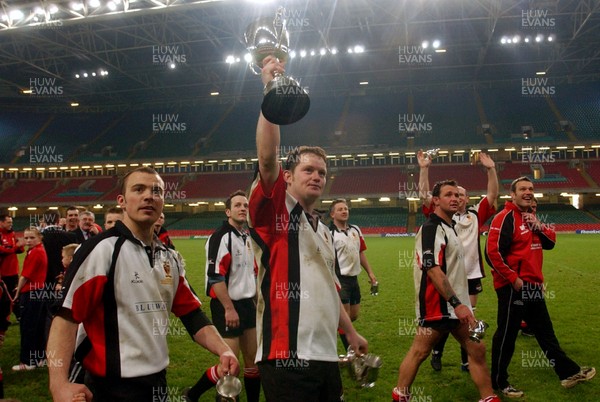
pixel 573 284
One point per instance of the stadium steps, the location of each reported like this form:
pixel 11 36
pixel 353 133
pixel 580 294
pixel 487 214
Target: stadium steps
pixel 559 116
pixel 201 143
pixel 489 139
pixel 329 183
pixel 594 211
pixel 77 153
pixel 411 222
pixel 587 178
pixel 35 136
pixel 44 194
pixel 136 149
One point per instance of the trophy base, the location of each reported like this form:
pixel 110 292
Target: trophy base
pixel 285 102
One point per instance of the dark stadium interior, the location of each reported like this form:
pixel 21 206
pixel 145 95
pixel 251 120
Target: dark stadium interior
pixel 480 94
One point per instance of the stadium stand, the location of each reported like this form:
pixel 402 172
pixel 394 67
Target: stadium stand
pixel 216 186
pixel 79 190
pixel 524 111
pixel 556 175
pixel 578 104
pixel 372 182
pixel 17 191
pixel 593 169
pixel 452 114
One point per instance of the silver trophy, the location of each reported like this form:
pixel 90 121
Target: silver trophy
pixel 363 369
pixel 228 389
pixel 431 154
pixel 477 332
pixel 375 288
pixel 285 101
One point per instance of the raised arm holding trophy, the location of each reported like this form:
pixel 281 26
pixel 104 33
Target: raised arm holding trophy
pixel 285 102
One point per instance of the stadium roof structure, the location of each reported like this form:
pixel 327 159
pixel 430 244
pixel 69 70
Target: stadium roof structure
pixel 130 45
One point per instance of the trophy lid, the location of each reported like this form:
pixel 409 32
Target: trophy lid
pixel 267 37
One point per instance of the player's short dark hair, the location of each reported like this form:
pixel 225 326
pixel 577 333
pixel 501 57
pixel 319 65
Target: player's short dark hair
pixel 234 194
pixel 437 188
pixel 72 208
pixel 513 185
pixel 335 202
pixel 143 169
pixel 293 157
pixel 3 217
pixel 114 210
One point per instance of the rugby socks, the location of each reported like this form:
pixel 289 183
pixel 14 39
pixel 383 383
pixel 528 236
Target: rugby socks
pixel 252 383
pixel 398 397
pixel 206 382
pixel 343 339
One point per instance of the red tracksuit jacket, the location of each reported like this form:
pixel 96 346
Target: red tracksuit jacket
pixel 514 250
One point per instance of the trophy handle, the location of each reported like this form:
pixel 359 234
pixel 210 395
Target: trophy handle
pixel 254 68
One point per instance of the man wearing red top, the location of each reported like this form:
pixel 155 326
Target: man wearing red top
pixel 468 220
pixel 442 302
pixel 514 246
pixel 298 309
pixel 10 246
pixel 123 285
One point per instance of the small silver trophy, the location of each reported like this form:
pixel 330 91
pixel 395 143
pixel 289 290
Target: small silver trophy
pixel 477 332
pixel 285 101
pixel 228 389
pixel 431 154
pixel 374 288
pixel 363 369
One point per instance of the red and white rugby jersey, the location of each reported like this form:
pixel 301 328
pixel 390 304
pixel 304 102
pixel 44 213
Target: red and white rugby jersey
pixel 349 244
pixel 127 331
pixel 437 244
pixel 230 259
pixel 298 304
pixel 467 228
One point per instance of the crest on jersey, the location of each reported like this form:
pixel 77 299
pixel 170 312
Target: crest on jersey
pixel 168 277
